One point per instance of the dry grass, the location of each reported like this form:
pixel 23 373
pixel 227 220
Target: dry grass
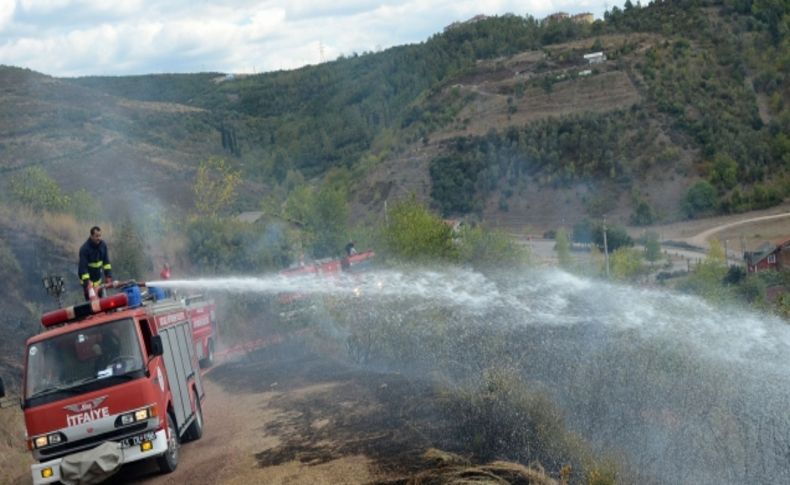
pixel 15 460
pixel 62 229
pixel 455 470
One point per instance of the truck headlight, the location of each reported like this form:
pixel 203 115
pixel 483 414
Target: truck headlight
pixel 46 440
pixel 135 416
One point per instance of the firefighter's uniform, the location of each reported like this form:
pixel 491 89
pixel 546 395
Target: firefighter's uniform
pixel 94 263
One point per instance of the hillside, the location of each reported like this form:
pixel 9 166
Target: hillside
pixel 689 92
pixel 501 120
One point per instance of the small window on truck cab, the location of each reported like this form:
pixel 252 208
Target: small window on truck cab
pixel 145 331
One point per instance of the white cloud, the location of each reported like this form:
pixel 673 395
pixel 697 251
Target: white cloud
pixel 82 37
pixel 7 9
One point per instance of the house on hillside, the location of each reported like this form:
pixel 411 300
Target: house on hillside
pixel 556 17
pixel 769 257
pixel 595 57
pixel 583 18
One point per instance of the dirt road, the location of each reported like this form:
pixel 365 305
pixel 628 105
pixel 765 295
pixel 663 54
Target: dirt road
pixel 745 231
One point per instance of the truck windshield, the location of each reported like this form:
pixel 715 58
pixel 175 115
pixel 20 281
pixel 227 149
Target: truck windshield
pixel 68 361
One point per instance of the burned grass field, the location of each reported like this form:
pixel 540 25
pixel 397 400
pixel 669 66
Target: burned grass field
pixel 407 428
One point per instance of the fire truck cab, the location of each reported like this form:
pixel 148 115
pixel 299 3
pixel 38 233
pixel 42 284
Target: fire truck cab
pixel 109 382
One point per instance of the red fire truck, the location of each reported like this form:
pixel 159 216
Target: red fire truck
pixel 330 267
pixel 112 381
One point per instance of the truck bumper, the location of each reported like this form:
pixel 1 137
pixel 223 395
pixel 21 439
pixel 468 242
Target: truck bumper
pixel 128 455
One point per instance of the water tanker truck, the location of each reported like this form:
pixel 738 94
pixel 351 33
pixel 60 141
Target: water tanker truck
pixel 113 381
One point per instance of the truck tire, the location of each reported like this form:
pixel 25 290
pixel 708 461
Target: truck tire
pixel 208 361
pixel 195 431
pixel 168 462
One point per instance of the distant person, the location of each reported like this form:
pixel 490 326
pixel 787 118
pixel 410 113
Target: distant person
pixel 165 273
pixel 94 264
pixel 350 249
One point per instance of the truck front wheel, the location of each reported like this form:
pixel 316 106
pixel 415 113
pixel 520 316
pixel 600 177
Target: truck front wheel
pixel 168 462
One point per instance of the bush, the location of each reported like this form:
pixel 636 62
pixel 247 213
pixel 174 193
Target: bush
pixel 700 199
pixel 643 214
pixel 414 234
pixel 226 245
pixel 37 190
pixel 503 418
pixel 128 254
pixel 616 237
pixel 483 248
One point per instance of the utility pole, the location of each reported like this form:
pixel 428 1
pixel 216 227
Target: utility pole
pixel 605 247
pixel 726 254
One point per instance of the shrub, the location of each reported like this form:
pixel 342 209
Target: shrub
pixel 643 214
pixel 483 248
pixel 36 189
pixel 700 199
pixel 503 418
pixel 413 233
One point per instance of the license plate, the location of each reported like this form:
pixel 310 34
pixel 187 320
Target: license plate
pixel 136 440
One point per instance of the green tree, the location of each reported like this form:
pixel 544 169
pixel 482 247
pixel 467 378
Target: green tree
pixel 34 188
pixel 489 249
pixel 322 215
pixel 725 171
pixel 616 237
pixel 700 199
pixel 327 220
pixel 563 247
pixel 127 253
pixel 215 186
pixel 217 245
pixel 707 278
pixel 652 247
pixel 643 214
pixel 626 263
pixel 414 234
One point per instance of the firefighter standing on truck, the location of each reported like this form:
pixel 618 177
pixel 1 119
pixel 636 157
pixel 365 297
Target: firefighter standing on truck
pixel 94 263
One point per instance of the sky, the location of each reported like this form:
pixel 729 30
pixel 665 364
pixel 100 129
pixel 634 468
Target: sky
pixel 68 38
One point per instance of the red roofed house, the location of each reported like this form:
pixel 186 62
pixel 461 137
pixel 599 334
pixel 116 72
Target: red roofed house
pixel 769 256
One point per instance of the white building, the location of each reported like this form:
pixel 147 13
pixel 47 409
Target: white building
pixel 595 57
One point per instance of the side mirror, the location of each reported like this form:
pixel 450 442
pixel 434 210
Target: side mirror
pixel 156 345
pixel 2 388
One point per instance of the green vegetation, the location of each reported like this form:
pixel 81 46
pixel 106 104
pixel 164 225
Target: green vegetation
pixel 412 233
pixel 215 187
pixel 128 256
pixel 34 188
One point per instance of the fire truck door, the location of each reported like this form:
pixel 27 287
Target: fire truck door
pixel 178 358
